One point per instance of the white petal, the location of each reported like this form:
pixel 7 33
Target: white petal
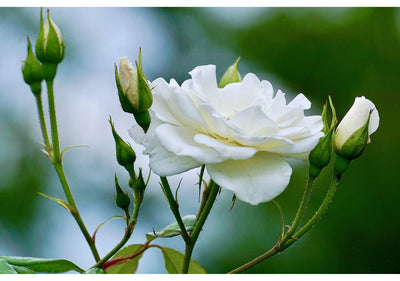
pixel 226 151
pixel 253 121
pixel 299 148
pixel 217 124
pixel 165 163
pixel 255 180
pixel 162 162
pixel 165 106
pixel 373 120
pixel 235 97
pixel 262 142
pixel 204 80
pixel 180 141
pixel 300 101
pixel 190 109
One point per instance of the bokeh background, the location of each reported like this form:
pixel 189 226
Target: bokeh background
pixel 347 52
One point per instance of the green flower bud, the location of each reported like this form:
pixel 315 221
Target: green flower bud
pixel 134 90
pixel 231 75
pixel 32 71
pixel 121 199
pixel 124 152
pixel 50 46
pixel 138 185
pixel 324 117
pixel 320 156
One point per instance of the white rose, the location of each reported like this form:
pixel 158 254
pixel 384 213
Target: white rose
pixel 355 119
pixel 241 132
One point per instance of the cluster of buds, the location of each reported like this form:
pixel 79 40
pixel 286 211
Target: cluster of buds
pixel 134 91
pixel 49 50
pixel 348 140
pixel 126 157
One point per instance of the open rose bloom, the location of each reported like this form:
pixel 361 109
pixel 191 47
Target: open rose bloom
pixel 242 133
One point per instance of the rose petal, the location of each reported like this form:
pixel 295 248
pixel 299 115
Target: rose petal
pixel 255 180
pixel 217 124
pixel 298 148
pixel 253 121
pixel 262 142
pixel 204 81
pixel 300 101
pixel 162 162
pixel 165 163
pixel 235 97
pixel 165 105
pixel 180 141
pixel 226 151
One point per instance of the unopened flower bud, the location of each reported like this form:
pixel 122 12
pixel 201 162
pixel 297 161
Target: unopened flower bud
pixel 125 154
pixel 32 71
pixel 138 185
pixel 231 75
pixel 122 198
pixel 134 91
pixel 320 156
pixel 50 48
pixel 353 132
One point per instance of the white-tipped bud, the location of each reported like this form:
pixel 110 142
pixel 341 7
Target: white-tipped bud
pixel 134 91
pixel 353 132
pixel 129 81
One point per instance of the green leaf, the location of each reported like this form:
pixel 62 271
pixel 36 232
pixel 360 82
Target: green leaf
pixel 150 237
pixel 128 266
pixel 96 270
pixel 23 270
pixel 43 265
pixel 173 229
pixel 67 206
pixel 5 268
pixel 174 262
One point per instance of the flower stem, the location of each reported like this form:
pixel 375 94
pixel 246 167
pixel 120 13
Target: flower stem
pixel 321 210
pixel 128 232
pixel 42 122
pixel 213 191
pixel 57 162
pixel 300 211
pixel 174 208
pixel 53 121
pixel 279 247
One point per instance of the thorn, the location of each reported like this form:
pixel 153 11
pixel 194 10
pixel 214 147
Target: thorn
pixel 233 202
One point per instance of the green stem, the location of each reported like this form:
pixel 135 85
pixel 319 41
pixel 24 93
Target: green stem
pixel 42 121
pixel 280 247
pixel 128 233
pixel 174 208
pixel 53 121
pixel 300 211
pixel 213 191
pixel 64 183
pixel 57 162
pixel 321 210
pixel 206 194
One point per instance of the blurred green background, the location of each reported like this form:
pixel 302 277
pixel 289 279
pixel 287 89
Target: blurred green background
pixel 346 52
